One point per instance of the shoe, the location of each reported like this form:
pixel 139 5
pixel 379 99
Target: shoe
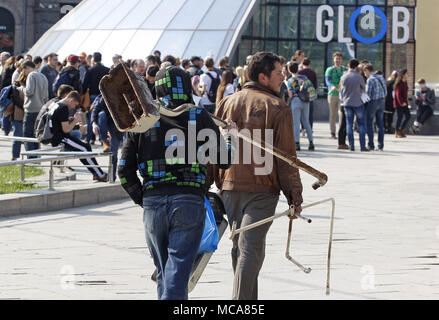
pixel 104 178
pixel 398 134
pixel 297 146
pixel 371 148
pixel 365 150
pixel 92 142
pixel 403 134
pixel 380 149
pixel 106 145
pixel 343 147
pixel 311 147
pixel 14 159
pixel 333 136
pixel 352 149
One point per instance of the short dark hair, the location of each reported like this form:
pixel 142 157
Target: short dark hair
pixel 306 62
pixel 195 59
pixel 38 60
pixel 353 63
pixel 64 89
pixel 368 67
pixel 421 81
pixel 28 64
pixel 170 59
pixel 152 70
pixel 74 95
pixel 262 62
pixel 157 52
pixel 97 57
pixel 293 67
pixel 185 62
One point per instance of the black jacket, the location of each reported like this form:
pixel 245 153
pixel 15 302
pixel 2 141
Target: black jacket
pixel 93 77
pixel 430 98
pixel 73 79
pixel 161 176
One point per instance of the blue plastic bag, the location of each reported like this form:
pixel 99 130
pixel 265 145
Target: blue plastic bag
pixel 209 241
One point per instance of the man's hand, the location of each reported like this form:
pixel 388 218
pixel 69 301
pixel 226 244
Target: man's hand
pixel 77 118
pixel 297 210
pixel 96 128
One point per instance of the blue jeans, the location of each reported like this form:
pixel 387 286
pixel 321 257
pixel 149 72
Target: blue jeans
pixel 375 109
pixel 6 124
pixel 174 226
pixel 115 142
pixel 18 132
pixel 75 134
pixel 28 130
pixel 361 119
pixel 300 112
pixel 103 126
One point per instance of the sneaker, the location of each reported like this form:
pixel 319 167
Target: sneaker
pixel 297 146
pixel 333 136
pixel 371 148
pixel 352 149
pixel 365 150
pixel 311 147
pixel 343 147
pixel 380 149
pixel 104 178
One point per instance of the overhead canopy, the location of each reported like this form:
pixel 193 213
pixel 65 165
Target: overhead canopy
pixel 135 28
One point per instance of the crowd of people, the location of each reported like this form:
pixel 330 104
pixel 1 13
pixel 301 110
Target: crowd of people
pixel 268 92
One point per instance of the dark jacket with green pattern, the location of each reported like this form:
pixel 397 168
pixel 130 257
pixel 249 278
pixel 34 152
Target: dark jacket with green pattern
pixel 170 159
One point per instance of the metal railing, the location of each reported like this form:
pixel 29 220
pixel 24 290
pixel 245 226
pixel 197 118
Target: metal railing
pixel 50 155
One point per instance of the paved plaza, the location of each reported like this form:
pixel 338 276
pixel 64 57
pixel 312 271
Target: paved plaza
pixel 386 237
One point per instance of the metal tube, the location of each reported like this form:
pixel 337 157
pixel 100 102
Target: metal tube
pixel 51 188
pixel 110 168
pixel 22 170
pixel 331 230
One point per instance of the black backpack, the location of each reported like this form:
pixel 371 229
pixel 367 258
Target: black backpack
pixel 213 87
pixel 42 129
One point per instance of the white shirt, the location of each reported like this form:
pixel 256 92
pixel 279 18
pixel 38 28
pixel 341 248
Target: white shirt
pixel 230 89
pixel 207 82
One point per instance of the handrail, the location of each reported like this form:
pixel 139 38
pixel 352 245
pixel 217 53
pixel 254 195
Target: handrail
pixel 58 156
pixel 22 139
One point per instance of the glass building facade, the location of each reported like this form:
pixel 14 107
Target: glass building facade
pixel 284 26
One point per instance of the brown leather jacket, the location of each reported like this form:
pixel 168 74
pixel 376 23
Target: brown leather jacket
pixel 257 107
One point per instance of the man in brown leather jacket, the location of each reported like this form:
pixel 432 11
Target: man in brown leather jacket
pixel 248 194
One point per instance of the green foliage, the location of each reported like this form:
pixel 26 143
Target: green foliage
pixel 10 179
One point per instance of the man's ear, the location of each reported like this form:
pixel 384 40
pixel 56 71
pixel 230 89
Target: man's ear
pixel 262 78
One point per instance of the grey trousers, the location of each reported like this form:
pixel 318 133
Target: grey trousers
pixel 248 251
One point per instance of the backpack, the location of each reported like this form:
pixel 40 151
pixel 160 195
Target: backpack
pixel 307 92
pixel 42 129
pixel 63 78
pixel 213 87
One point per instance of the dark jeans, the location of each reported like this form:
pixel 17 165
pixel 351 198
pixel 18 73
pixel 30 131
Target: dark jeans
pixel 423 114
pixel 6 124
pixel 174 226
pixel 28 130
pixel 18 132
pixel 311 113
pixel 342 129
pixel 361 120
pixel 403 113
pixel 375 109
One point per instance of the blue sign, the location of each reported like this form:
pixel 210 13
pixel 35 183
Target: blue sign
pixel 353 27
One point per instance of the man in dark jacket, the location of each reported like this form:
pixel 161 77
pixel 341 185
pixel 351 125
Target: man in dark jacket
pixel 103 125
pixel 174 182
pixel 251 193
pixel 69 75
pixel 91 83
pixel 195 67
pixel 425 101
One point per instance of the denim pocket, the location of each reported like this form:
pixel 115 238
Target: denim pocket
pixel 188 213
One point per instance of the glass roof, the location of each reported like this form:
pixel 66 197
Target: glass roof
pixel 135 28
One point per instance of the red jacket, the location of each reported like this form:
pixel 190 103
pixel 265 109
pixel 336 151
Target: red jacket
pixel 401 95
